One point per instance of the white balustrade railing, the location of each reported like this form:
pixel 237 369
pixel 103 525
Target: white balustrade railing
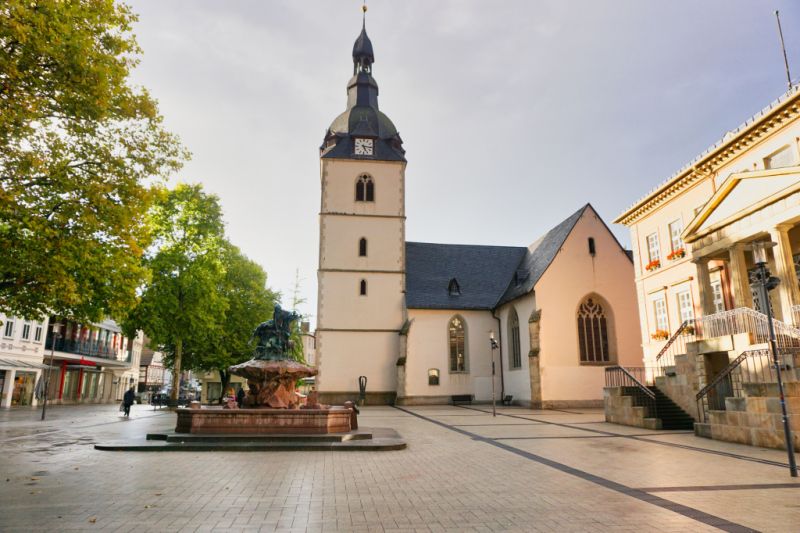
pixel 743 320
pixel 746 320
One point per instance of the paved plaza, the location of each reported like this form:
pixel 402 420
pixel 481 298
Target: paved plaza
pixel 525 470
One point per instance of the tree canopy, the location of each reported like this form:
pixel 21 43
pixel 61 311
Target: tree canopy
pixel 182 301
pixel 249 302
pixel 79 147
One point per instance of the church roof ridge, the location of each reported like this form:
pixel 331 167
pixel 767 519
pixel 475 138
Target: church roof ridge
pixel 539 255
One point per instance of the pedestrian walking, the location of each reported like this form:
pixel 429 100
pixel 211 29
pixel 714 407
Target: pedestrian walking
pixel 127 401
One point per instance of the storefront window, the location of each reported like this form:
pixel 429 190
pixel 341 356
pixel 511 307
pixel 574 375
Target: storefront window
pixel 23 388
pixel 71 385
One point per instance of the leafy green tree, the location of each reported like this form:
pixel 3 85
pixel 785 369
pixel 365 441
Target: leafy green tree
pixel 249 302
pixel 182 302
pixel 78 146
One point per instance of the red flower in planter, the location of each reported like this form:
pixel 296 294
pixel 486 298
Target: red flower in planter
pixel 652 265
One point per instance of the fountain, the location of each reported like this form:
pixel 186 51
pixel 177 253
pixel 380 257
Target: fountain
pixel 271 404
pixel 273 416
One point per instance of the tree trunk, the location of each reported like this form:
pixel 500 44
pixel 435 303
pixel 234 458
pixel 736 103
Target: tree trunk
pixel 176 369
pixel 225 379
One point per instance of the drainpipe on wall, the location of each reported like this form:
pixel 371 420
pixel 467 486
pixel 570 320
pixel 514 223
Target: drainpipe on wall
pixel 500 340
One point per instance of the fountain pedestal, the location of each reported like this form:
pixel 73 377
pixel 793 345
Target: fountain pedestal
pixel 264 421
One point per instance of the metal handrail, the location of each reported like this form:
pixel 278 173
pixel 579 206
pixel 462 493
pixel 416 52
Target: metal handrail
pixel 747 320
pixel 724 323
pixel 760 368
pixel 725 372
pixel 619 376
pixel 678 333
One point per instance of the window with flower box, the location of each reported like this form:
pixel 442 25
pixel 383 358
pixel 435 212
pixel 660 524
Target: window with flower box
pixel 675 230
pixel 653 252
pixel 660 310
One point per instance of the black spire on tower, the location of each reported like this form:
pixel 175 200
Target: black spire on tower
pixel 362 118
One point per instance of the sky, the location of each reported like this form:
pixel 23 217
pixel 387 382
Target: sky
pixel 513 114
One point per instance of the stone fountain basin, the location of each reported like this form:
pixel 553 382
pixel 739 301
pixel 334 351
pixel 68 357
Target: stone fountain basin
pixel 263 421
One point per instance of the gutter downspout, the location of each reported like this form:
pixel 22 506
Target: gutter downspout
pixel 500 342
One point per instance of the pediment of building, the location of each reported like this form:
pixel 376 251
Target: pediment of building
pixel 740 195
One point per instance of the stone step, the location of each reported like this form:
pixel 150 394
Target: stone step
pixel 261 438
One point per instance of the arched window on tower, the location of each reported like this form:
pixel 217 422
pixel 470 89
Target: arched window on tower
pixel 513 333
pixel 593 332
pixel 365 189
pixel 457 345
pixel 362 247
pixel 362 290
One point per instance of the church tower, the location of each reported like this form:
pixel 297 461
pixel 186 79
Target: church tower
pixel 361 276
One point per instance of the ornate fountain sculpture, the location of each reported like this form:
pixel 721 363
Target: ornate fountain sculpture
pixel 271 375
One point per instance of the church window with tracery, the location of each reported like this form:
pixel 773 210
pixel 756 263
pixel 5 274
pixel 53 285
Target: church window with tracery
pixel 593 332
pixel 513 333
pixel 457 345
pixel 365 189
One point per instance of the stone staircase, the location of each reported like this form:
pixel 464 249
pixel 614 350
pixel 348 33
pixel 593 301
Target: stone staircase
pixel 628 406
pixel 756 418
pixel 671 415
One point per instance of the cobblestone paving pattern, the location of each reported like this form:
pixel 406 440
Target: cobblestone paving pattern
pixel 464 470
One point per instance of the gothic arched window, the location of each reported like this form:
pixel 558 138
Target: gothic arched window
pixel 513 333
pixel 457 344
pixel 365 189
pixel 593 332
pixel 362 247
pixel 362 290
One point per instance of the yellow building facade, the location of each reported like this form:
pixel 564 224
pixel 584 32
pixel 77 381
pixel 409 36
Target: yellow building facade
pixel 702 314
pixel 690 235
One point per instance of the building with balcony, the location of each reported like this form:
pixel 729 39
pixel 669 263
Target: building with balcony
pixel 21 366
pixel 703 327
pixel 92 363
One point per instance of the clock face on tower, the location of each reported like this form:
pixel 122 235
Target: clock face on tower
pixel 363 146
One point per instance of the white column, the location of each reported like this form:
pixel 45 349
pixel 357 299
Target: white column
pixel 740 283
pixel 704 285
pixel 788 293
pixel 8 389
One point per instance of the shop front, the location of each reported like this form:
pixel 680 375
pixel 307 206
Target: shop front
pixel 18 381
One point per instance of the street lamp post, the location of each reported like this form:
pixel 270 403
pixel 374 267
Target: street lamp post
pixel 56 326
pixel 765 283
pixel 494 345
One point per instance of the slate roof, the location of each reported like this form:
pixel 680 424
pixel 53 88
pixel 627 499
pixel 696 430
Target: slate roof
pixel 538 257
pixel 482 273
pixel 488 276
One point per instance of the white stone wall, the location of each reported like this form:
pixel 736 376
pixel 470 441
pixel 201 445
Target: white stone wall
pixel 359 334
pixel 517 380
pixel 428 348
pixel 572 276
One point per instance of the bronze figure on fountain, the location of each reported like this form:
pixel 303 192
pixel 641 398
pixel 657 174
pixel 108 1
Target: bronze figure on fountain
pixel 273 335
pixel 271 374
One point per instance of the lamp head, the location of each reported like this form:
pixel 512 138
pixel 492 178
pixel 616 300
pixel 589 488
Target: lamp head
pixel 759 249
